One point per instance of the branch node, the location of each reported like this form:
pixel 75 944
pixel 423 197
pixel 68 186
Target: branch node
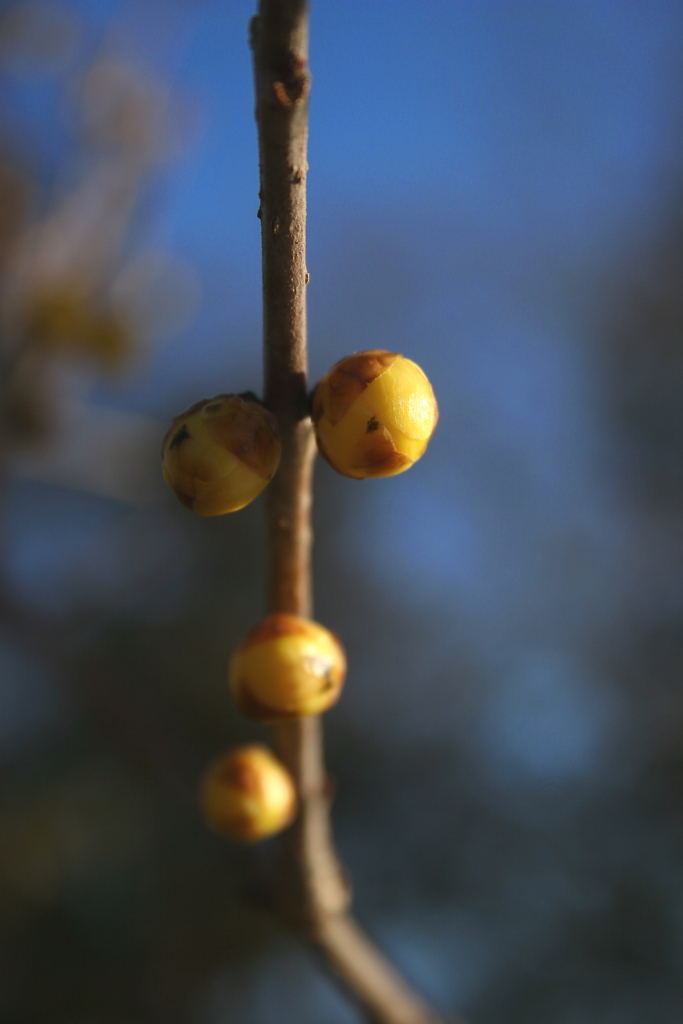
pixel 281 94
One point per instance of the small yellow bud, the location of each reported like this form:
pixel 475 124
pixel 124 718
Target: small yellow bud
pixel 374 413
pixel 220 454
pixel 247 794
pixel 286 667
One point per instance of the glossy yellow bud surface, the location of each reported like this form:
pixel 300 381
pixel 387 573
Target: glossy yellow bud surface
pixel 374 413
pixel 220 454
pixel 247 794
pixel 287 667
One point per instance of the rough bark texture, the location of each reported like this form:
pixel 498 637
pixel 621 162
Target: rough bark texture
pixel 313 892
pixel 279 36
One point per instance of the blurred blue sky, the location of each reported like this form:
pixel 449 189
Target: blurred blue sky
pixel 487 180
pixel 480 173
pixel 536 139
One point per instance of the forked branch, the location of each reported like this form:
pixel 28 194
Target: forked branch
pixel 314 894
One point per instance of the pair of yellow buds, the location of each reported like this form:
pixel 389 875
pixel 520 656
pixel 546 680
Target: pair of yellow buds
pixel 285 667
pixel 373 415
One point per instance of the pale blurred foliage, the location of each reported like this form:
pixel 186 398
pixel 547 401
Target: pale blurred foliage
pixel 81 300
pixel 75 301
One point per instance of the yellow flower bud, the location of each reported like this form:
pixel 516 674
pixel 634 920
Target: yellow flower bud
pixel 220 454
pixel 286 667
pixel 374 413
pixel 247 794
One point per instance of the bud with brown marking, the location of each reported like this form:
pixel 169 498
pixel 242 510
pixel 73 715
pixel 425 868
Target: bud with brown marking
pixel 287 667
pixel 247 794
pixel 220 454
pixel 374 413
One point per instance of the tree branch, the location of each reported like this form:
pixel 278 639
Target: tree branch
pixel 314 894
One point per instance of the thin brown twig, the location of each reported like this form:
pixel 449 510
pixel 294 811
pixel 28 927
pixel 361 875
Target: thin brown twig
pixel 314 893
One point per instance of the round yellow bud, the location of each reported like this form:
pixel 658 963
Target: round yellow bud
pixel 247 794
pixel 220 454
pixel 374 413
pixel 286 667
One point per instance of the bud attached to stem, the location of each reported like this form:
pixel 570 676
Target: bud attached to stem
pixel 247 794
pixel 220 454
pixel 374 413
pixel 287 667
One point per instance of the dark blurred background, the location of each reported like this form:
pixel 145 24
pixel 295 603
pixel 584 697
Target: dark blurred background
pixel 496 191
